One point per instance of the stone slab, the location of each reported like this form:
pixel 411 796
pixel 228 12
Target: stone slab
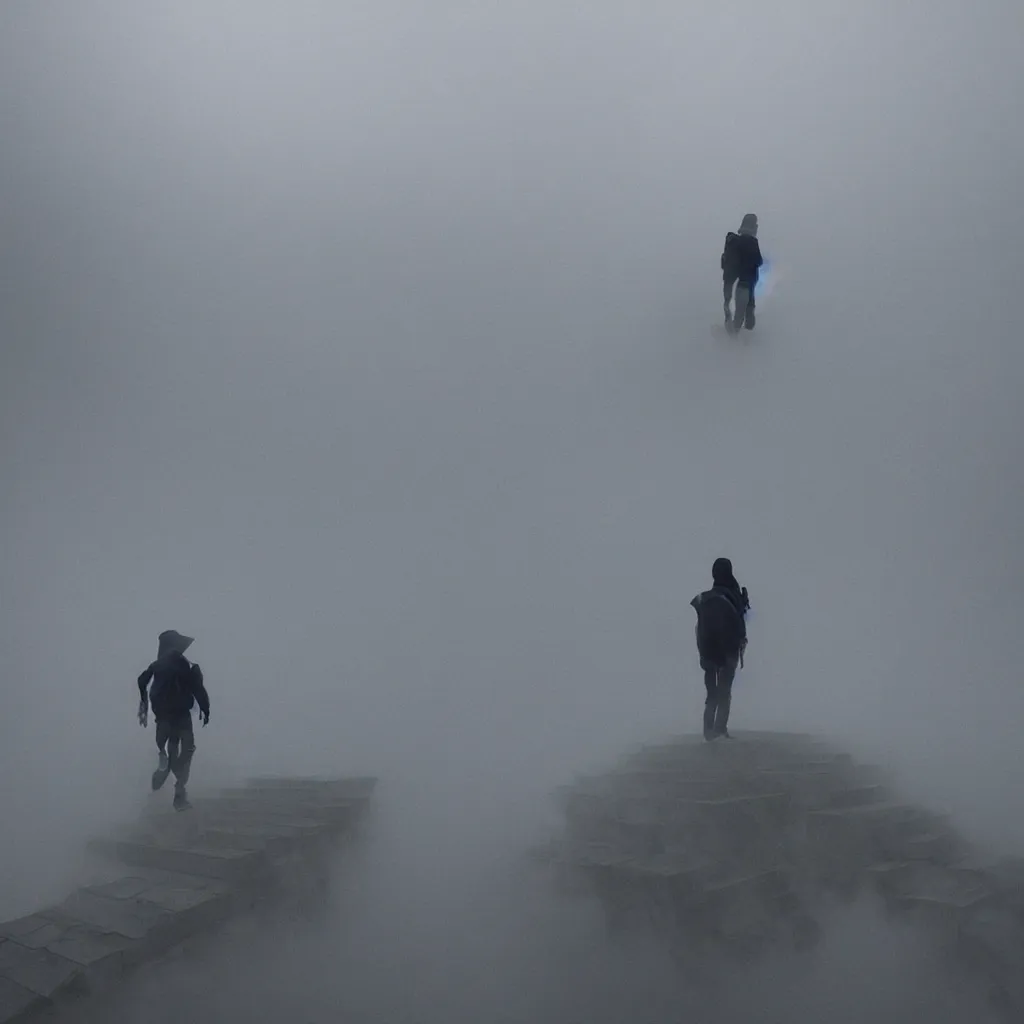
pixel 857 796
pixel 131 919
pixel 101 954
pixel 328 811
pixel 935 847
pixel 96 951
pixel 327 817
pixel 207 861
pixel 872 820
pixel 195 902
pixel 16 1001
pixel 670 869
pixel 38 970
pixel 276 841
pixel 359 786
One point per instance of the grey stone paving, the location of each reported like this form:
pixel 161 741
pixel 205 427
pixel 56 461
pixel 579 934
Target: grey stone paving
pixel 740 844
pixel 173 876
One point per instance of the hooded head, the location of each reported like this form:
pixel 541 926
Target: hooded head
pixel 748 226
pixel 721 574
pixel 172 642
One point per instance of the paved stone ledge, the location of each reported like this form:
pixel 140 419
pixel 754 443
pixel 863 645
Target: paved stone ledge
pixel 738 845
pixel 174 876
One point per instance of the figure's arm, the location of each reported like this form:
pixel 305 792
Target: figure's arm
pixel 199 692
pixel 144 680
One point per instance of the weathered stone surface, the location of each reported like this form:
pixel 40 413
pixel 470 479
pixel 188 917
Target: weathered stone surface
pixel 180 874
pixel 274 839
pixel 132 919
pixel 737 845
pixel 99 953
pixel 16 1001
pixel 37 970
pixel 357 787
pixel 205 861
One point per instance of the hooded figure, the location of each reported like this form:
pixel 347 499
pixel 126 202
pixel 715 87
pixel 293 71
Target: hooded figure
pixel 177 686
pixel 722 576
pixel 721 635
pixel 741 262
pixel 170 641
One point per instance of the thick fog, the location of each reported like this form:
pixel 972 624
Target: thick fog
pixel 370 345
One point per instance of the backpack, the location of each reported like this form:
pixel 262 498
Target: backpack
pixel 720 628
pixel 171 690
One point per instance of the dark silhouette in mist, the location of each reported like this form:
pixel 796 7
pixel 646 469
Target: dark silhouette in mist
pixel 721 635
pixel 175 687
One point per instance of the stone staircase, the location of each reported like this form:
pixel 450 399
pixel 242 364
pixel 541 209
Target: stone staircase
pixel 739 845
pixel 171 877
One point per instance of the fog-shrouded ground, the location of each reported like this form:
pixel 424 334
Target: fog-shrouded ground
pixel 369 343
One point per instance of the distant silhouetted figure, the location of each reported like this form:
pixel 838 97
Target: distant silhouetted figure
pixel 721 639
pixel 741 266
pixel 177 686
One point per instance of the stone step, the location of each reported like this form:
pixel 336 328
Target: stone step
pixel 670 868
pixel 342 810
pixel 698 824
pixel 924 879
pixel 205 861
pixel 354 788
pixel 97 950
pixel 90 938
pixel 819 785
pixel 857 796
pixel 18 1003
pixel 939 847
pixel 693 747
pixel 44 975
pixel 275 841
pixel 226 815
pixel 884 832
pixel 869 817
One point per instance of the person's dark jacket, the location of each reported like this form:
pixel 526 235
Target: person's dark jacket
pixel 177 686
pixel 741 259
pixel 735 598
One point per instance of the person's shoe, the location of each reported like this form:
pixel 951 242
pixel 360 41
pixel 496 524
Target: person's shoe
pixel 161 773
pixel 181 800
pixel 724 733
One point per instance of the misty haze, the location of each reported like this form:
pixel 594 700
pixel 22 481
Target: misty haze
pixel 370 344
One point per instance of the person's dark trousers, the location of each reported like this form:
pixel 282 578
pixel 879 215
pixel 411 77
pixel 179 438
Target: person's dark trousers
pixel 176 735
pixel 745 315
pixel 718 678
pixel 728 283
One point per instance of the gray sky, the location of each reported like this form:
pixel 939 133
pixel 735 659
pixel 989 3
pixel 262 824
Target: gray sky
pixel 369 344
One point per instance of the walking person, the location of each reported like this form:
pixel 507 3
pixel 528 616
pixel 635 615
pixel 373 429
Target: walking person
pixel 741 263
pixel 721 634
pixel 177 686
